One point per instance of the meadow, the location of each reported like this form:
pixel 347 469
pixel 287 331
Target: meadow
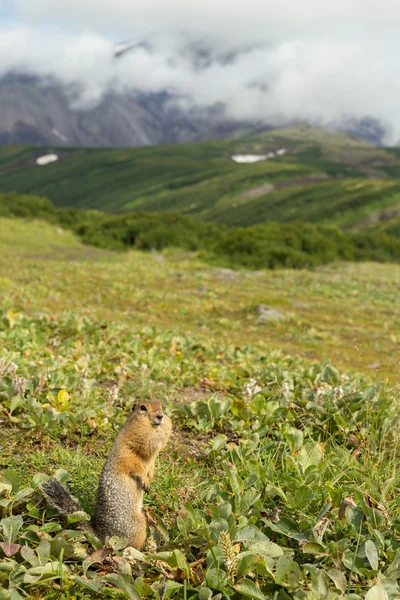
pixel 281 480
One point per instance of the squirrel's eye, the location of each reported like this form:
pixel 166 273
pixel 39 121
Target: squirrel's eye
pixel 143 407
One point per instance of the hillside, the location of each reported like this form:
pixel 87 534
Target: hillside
pixel 318 177
pixel 280 462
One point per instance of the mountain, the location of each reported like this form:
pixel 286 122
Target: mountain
pixel 293 174
pixel 42 111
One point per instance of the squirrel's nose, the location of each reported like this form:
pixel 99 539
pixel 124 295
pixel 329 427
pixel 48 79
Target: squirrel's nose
pixel 159 416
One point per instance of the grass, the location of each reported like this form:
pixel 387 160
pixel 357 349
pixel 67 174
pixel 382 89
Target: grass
pixel 270 439
pixel 201 179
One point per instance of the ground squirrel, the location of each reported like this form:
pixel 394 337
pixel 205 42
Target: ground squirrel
pixel 126 474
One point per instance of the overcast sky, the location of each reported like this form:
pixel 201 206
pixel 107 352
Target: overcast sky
pixel 316 60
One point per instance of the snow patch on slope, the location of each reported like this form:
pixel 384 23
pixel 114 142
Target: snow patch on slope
pixel 46 159
pixel 253 158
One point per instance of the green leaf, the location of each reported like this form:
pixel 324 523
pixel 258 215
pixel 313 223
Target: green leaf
pixel 98 556
pixel 13 478
pixel 88 584
pixel 16 401
pixel 142 587
pixel 287 527
pixel 287 572
pixel 122 584
pixel 116 543
pixel 354 516
pixel 24 493
pixel 338 578
pixel 247 562
pixel 310 454
pixel 218 443
pixel 52 569
pixel 248 588
pixel 372 554
pixel 304 495
pixel 181 562
pixel 250 533
pixel 313 548
pixel 267 548
pixel 330 375
pixel 205 593
pixel 224 510
pixel 77 516
pixel 377 592
pixel 10 528
pixel 216 579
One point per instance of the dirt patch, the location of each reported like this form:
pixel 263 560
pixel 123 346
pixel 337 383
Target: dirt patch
pixel 305 180
pixel 267 188
pixel 381 216
pixel 188 395
pixel 259 191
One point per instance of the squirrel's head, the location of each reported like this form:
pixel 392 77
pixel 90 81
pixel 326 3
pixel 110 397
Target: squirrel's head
pixel 149 411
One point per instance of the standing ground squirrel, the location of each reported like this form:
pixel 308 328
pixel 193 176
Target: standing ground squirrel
pixel 126 474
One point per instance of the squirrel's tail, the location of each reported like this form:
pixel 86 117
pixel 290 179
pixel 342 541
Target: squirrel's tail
pixel 59 498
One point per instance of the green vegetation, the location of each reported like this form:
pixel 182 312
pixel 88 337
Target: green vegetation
pixel 282 479
pixel 323 178
pixel 271 245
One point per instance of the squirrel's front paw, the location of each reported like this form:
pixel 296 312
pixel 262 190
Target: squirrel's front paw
pixel 142 484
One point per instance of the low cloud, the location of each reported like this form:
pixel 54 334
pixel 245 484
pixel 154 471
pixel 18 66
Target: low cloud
pixel 310 60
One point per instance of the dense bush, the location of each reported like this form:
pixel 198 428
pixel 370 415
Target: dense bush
pixel 269 245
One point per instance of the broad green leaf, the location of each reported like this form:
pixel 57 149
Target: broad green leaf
pixel 142 587
pixel 10 527
pixel 247 561
pixel 205 593
pixel 330 375
pixel 248 588
pixel 377 592
pixel 77 516
pixel 286 526
pixel 250 533
pixel 122 584
pixel 10 476
pixel 218 443
pixel 98 556
pixel 287 572
pixel 52 569
pixel 181 562
pixel 310 455
pixel 313 548
pixel 88 584
pixel 24 493
pixel 304 495
pixel 216 578
pixel 338 578
pixel 116 543
pixel 266 548
pixel 372 554
pixel 224 510
pixel 355 516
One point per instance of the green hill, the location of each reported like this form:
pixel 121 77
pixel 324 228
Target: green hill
pixel 322 177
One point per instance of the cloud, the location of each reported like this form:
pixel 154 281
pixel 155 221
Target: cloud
pixel 314 60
